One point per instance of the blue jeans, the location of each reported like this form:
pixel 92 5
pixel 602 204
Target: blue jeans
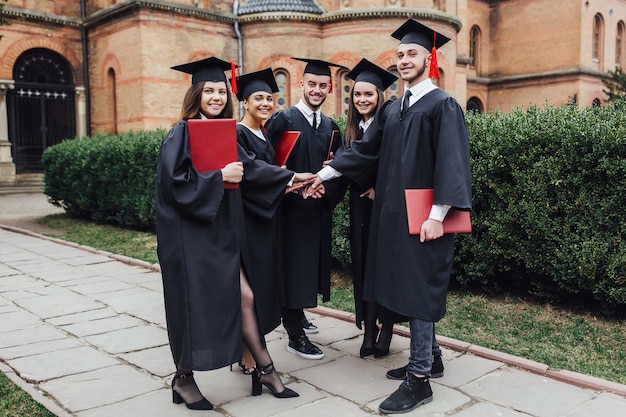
pixel 423 347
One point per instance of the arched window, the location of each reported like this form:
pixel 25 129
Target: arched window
pixel 393 91
pixel 41 108
pixel 619 45
pixel 598 38
pixel 474 48
pixel 282 97
pixel 474 104
pixel 344 91
pixel 596 102
pixel 112 100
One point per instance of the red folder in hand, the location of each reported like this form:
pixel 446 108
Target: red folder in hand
pixel 285 146
pixel 213 144
pixel 418 205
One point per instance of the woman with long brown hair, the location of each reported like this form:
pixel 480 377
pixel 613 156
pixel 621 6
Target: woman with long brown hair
pixel 202 247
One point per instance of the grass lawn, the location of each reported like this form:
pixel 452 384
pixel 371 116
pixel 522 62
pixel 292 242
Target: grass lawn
pixel 557 337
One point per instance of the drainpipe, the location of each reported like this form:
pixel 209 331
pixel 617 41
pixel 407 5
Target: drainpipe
pixel 85 41
pixel 239 45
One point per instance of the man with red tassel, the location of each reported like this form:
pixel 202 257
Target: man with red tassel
pixel 420 141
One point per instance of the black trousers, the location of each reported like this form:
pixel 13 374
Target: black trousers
pixel 292 322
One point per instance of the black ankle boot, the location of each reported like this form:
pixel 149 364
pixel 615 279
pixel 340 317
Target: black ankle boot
pixel 413 392
pixel 185 379
pixel 257 384
pixel 437 369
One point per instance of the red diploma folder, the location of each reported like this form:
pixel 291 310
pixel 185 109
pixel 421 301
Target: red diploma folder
pixel 335 137
pixel 285 146
pixel 213 144
pixel 418 205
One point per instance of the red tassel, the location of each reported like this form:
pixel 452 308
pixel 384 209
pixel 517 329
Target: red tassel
pixel 433 72
pixel 330 88
pixel 233 77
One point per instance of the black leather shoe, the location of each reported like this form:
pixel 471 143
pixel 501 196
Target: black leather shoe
pixel 437 369
pixel 398 373
pixel 412 393
pixel 435 372
pixel 304 348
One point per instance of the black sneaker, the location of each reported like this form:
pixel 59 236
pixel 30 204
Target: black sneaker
pixel 304 348
pixel 308 327
pixel 412 393
pixel 435 372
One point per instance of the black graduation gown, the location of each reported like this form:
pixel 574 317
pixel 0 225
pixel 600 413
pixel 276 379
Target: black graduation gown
pixel 305 226
pixel 360 218
pixel 428 148
pixel 201 240
pixel 262 189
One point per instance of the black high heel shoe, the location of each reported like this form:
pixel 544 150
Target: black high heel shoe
pixel 202 404
pixel 243 368
pixel 257 384
pixel 381 348
pixel 368 350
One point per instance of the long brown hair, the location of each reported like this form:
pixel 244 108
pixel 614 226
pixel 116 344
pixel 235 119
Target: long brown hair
pixel 191 103
pixel 354 117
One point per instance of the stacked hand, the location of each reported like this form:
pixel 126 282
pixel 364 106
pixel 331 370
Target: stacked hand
pixel 315 188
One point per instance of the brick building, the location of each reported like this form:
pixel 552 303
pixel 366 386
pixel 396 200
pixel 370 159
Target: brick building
pixel 77 67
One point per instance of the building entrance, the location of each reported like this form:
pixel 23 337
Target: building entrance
pixel 41 107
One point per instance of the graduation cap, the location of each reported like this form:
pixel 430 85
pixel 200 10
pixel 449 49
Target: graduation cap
pixel 208 69
pixel 318 67
pixel 413 31
pixel 372 73
pixel 256 81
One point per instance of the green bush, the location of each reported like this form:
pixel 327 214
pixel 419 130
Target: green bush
pixel 548 193
pixel 110 179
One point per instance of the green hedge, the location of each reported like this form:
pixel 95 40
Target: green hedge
pixel 110 179
pixel 548 203
pixel 548 194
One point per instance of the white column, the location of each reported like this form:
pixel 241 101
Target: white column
pixel 7 167
pixel 81 112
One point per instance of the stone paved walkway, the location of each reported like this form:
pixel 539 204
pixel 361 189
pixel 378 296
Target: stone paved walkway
pixel 83 332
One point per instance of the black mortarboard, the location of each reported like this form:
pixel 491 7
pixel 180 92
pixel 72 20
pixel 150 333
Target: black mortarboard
pixel 413 31
pixel 207 69
pixel 256 81
pixel 317 66
pixel 372 73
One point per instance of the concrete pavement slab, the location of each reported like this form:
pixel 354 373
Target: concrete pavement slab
pixel 59 304
pixel 605 405
pixel 59 363
pixel 330 406
pixel 101 387
pixel 466 368
pixel 129 340
pixel 489 410
pixel 29 335
pixel 101 326
pixel 83 316
pixel 529 393
pixel 37 348
pixel 157 361
pixel 153 404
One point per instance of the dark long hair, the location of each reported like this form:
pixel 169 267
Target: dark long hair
pixel 191 103
pixel 354 117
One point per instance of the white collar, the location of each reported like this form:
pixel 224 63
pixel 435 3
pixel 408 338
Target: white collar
pixel 420 89
pixel 258 133
pixel 364 124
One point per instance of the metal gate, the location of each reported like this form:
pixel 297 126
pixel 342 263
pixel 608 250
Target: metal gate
pixel 41 108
